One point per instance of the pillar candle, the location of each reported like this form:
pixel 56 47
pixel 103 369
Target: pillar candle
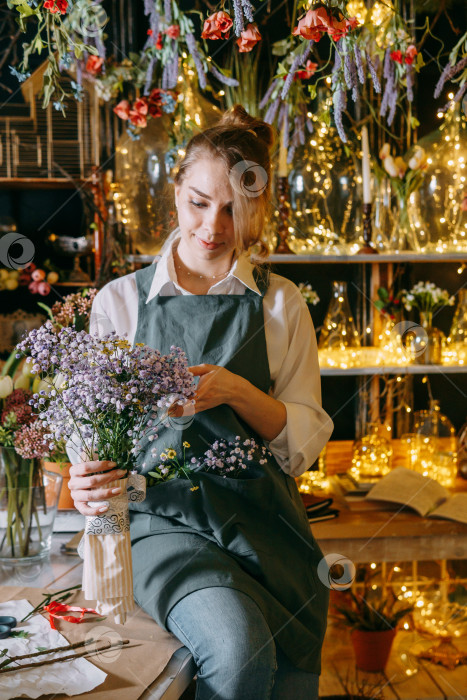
pixel 366 170
pixel 283 168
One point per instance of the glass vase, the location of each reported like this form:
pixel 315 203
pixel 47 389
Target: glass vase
pixel 338 331
pixel 403 234
pixel 458 332
pixel 438 207
pixel 427 346
pixel 28 504
pixel 371 455
pixel 144 198
pixel 438 442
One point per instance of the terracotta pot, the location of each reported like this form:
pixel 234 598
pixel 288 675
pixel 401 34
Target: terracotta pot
pixel 65 501
pixel 372 648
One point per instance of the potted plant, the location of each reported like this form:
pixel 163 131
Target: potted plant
pixel 373 621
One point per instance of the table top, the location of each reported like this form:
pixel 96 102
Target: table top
pixel 377 535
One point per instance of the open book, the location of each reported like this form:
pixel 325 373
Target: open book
pixel 428 498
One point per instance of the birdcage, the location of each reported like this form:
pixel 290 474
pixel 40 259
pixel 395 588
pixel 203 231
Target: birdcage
pixel 41 144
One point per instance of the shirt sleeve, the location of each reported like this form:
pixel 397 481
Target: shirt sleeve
pixel 298 386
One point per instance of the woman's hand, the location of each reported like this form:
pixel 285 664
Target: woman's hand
pixel 216 386
pixel 88 481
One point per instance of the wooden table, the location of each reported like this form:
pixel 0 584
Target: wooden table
pixel 391 536
pixel 60 571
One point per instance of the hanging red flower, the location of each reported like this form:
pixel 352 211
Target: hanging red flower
pixel 248 38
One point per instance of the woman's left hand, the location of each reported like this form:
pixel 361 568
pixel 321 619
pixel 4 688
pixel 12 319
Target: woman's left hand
pixel 216 386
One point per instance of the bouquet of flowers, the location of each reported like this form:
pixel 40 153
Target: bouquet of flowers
pixel 426 297
pixel 22 444
pixel 226 458
pixel 308 293
pixel 103 397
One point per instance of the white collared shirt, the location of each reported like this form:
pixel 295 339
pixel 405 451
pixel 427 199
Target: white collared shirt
pixel 290 341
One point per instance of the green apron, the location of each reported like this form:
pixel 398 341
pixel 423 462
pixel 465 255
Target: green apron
pixel 249 533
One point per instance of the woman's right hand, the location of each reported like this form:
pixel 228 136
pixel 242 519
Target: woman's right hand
pixel 88 484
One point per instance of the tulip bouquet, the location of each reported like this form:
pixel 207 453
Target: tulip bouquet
pixel 406 176
pixel 104 397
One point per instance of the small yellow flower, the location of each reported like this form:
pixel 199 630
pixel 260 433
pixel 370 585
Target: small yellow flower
pixel 194 488
pixel 163 455
pixel 171 454
pixel 186 444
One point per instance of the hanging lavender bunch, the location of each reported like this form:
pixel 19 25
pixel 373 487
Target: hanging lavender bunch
pixel 272 110
pixel 390 88
pixel 173 71
pixel 339 101
pixel 154 20
pixel 168 11
pixel 373 72
pixel 392 104
pixel 238 17
pixel 448 73
pixel 165 77
pixel 410 83
pixel 224 79
pixel 268 93
pixel 350 75
pixel 191 43
pixel 299 60
pixel 460 93
pixel 248 10
pixel 359 64
pixel 337 63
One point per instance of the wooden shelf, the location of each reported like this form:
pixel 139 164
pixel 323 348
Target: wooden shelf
pixel 408 369
pixel 380 258
pixel 39 183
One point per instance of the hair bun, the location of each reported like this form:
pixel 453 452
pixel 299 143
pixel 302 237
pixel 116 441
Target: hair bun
pixel 238 117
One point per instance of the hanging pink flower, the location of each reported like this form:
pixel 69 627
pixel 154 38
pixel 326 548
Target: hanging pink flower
pixel 249 38
pixel 318 22
pixel 410 54
pixel 55 6
pixel 396 56
pixel 138 112
pixel 122 110
pixel 306 74
pixel 94 65
pixel 217 24
pixel 173 31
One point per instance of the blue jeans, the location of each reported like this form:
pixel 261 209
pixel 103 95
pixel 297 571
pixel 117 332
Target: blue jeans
pixel 234 649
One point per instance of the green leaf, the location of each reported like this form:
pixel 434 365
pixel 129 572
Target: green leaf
pixel 21 634
pixel 414 122
pixel 92 50
pixel 312 91
pixel 41 648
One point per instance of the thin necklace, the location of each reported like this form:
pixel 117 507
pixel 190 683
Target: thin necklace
pixel 202 277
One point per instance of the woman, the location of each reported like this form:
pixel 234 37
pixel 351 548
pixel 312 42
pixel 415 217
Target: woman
pixel 231 568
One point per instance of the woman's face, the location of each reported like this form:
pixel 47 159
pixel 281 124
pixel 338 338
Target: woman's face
pixel 204 203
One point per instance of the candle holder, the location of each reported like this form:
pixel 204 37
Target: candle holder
pixel 282 188
pixel 367 248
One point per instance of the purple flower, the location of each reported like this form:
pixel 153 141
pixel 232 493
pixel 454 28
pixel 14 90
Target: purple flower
pixel 359 64
pixel 272 110
pixel 232 82
pixel 191 43
pixel 373 72
pixel 410 83
pixel 268 94
pixel 299 60
pixel 449 72
pixel 350 71
pixel 460 93
pixel 168 11
pixel 339 101
pixel 238 17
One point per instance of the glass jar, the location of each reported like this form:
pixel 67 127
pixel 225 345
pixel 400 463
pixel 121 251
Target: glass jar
pixel 338 331
pixel 425 343
pixel 144 176
pixel 458 332
pixel 28 504
pixel 437 437
pixel 437 208
pixel 371 455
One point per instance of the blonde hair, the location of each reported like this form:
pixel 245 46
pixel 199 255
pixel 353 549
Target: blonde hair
pixel 243 143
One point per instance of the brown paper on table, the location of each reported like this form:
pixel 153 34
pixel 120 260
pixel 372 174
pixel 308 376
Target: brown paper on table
pixel 138 663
